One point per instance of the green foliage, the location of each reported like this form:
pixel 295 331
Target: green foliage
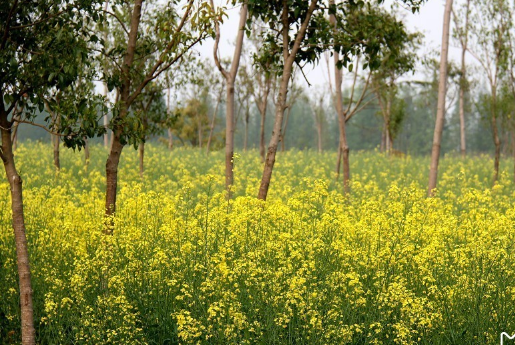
pixel 43 55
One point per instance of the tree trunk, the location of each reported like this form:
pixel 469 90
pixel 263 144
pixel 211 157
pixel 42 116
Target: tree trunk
pixel 344 148
pixel 170 140
pixel 495 134
pixel 388 137
pixel 289 58
pixel 230 78
pixel 463 145
pixel 463 81
pixel 442 90
pixel 113 159
pixel 28 332
pixel 141 154
pixel 229 136
pixel 56 140
pixel 112 175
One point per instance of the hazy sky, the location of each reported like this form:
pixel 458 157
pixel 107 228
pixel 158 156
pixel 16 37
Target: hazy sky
pixel 429 21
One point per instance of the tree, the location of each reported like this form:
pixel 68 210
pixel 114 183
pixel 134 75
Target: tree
pixel 442 88
pixel 288 17
pixel 155 42
pixel 192 122
pixel 41 43
pixel 461 32
pixel 372 34
pixel 489 39
pixel 230 77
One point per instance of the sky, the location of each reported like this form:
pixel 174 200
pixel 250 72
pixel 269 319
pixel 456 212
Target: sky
pixel 429 21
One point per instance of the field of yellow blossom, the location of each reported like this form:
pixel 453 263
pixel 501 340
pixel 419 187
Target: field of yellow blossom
pixel 186 266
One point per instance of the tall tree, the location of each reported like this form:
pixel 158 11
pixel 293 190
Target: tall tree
pixel 40 45
pixel 230 77
pixel 153 40
pixel 442 90
pixel 489 43
pixel 297 17
pixel 461 30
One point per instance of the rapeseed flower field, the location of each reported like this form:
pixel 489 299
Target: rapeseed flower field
pixel 385 265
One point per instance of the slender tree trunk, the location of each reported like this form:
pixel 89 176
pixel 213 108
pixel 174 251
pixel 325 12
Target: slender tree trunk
pixel 15 136
pixel 463 81
pixel 56 140
pixel 388 137
pixel 495 134
pixel 289 58
pixel 442 90
pixel 170 140
pixel 229 136
pixel 15 128
pixel 344 148
pixel 113 158
pixel 28 332
pixel 112 174
pixel 141 154
pixel 463 146
pixel 230 77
